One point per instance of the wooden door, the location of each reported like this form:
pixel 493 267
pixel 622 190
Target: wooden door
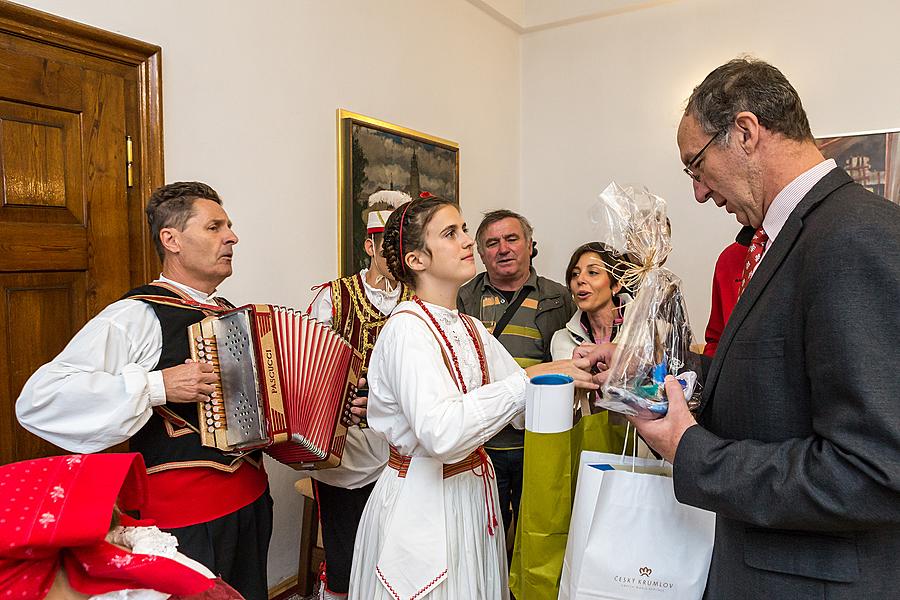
pixel 72 238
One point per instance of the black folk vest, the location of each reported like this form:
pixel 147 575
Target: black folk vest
pixel 170 440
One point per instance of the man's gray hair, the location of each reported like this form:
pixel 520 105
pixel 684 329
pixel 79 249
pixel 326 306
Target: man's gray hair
pixel 748 84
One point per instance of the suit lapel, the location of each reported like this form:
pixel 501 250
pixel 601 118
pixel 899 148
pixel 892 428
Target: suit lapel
pixel 772 260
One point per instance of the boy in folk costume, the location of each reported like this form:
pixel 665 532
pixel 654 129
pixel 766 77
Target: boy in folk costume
pixel 357 307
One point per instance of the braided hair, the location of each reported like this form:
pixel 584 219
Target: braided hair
pixel 412 217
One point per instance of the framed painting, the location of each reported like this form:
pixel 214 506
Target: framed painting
pixel 871 158
pixel 374 155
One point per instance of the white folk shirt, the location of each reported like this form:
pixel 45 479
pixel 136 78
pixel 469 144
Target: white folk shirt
pixel 415 404
pixel 101 389
pixel 365 452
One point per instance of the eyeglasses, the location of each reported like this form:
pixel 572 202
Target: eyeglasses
pixel 693 161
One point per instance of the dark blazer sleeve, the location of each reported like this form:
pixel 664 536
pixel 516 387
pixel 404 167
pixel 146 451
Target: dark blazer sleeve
pixel 846 474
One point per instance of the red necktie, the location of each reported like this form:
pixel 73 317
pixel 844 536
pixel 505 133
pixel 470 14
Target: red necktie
pixel 754 255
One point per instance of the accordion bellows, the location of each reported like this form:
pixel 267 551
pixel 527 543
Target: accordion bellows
pixel 283 384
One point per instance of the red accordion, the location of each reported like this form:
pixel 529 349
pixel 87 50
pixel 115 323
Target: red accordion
pixel 283 384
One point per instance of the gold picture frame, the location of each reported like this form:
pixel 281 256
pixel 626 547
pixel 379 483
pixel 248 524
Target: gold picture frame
pixel 371 154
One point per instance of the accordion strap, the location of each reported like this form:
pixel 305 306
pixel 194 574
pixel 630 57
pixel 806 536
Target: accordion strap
pixel 208 309
pixel 173 418
pixel 183 300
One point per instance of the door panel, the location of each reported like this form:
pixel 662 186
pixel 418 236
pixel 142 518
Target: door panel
pixel 72 238
pixel 103 122
pixel 39 247
pixel 64 213
pixel 42 312
pixel 35 79
pixel 41 162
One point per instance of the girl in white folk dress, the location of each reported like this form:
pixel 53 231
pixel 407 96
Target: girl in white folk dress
pixel 439 387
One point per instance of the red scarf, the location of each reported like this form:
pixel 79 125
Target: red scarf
pixel 56 513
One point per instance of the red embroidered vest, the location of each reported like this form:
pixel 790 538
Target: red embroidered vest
pixel 355 317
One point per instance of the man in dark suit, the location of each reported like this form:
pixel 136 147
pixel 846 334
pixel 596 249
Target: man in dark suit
pixel 797 449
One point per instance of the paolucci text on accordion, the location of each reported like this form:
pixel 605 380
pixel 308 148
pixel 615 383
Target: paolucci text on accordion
pixel 283 385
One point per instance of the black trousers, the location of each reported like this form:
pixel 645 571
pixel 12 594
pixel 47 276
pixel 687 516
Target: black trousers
pixel 234 547
pixel 339 512
pixel 508 469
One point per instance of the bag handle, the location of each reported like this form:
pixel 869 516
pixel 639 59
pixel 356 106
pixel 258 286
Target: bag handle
pixel 634 447
pixel 508 314
pixel 583 402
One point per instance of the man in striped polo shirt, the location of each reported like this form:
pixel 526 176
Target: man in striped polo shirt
pixel 522 310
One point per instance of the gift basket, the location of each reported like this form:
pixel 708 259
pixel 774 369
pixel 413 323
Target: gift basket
pixel 655 336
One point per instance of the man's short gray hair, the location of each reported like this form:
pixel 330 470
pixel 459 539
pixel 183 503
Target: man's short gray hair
pixel 748 84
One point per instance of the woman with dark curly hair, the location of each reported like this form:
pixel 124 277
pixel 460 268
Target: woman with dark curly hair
pixel 593 279
pixel 439 387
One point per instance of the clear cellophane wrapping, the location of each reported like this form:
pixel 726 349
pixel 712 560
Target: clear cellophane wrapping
pixel 655 337
pixel 302 371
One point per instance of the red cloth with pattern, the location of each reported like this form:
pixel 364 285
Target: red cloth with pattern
pixel 754 255
pixel 56 514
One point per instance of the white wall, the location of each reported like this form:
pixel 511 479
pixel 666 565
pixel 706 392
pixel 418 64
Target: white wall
pixel 250 93
pixel 601 101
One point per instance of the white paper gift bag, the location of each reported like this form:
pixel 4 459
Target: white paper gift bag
pixel 643 543
pixel 593 465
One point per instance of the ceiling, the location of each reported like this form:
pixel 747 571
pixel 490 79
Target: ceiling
pixel 527 16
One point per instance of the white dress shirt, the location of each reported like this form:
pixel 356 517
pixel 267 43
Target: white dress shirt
pixel 101 389
pixel 788 198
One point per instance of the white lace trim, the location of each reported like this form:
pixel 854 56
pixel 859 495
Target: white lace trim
pixel 144 540
pixel 152 541
pixel 462 344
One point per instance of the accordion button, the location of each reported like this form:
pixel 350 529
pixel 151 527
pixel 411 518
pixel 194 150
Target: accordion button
pixel 209 421
pixel 216 417
pixel 211 429
pixel 217 425
pixel 209 411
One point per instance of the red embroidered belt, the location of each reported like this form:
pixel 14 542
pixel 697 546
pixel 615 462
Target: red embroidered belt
pixel 477 462
pixel 400 463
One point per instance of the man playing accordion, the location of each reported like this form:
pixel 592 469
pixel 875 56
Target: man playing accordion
pixel 127 376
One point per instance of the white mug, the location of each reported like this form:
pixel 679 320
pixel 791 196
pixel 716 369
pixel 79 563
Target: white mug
pixel 548 403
